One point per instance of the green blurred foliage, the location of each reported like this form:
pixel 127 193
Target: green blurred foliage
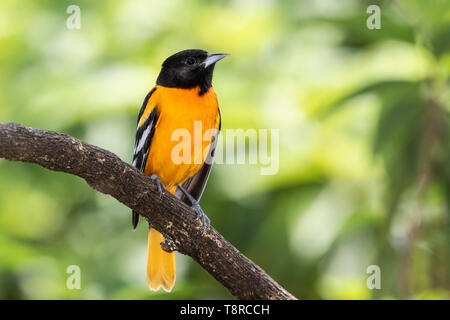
pixel 364 120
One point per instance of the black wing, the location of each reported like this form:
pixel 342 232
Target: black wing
pixel 197 183
pixel 143 141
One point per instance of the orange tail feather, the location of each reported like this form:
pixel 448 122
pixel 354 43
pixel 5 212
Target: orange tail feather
pixel 161 268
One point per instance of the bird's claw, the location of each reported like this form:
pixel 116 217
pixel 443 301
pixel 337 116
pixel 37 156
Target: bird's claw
pixel 159 184
pixel 194 205
pixel 200 214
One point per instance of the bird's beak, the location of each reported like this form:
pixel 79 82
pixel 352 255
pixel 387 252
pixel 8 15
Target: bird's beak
pixel 213 58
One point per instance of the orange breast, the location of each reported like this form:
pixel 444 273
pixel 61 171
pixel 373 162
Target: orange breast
pixel 182 135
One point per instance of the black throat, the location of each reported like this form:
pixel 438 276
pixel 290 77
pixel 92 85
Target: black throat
pixel 174 78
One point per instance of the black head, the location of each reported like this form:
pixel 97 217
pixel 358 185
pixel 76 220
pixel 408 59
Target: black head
pixel 189 69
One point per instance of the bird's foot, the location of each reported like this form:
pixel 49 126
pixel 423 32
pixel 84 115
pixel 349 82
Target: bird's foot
pixel 200 214
pixel 195 205
pixel 159 184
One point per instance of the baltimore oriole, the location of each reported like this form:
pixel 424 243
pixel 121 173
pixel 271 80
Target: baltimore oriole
pixel 183 96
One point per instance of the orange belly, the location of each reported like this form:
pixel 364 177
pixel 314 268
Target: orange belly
pixel 182 134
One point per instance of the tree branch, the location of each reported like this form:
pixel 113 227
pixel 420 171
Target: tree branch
pixel 106 173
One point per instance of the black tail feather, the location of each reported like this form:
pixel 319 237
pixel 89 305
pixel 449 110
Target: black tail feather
pixel 135 219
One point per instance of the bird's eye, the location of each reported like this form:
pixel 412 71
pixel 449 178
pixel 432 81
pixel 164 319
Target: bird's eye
pixel 190 61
